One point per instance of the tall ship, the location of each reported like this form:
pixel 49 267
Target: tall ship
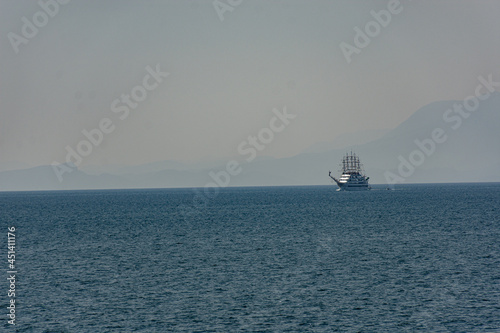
pixel 353 177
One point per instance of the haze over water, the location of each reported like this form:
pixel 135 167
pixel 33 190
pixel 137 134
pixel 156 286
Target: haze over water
pixel 300 259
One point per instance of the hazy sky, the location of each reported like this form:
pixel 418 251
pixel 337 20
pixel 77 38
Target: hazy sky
pixel 225 77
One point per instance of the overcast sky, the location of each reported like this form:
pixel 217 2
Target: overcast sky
pixel 225 77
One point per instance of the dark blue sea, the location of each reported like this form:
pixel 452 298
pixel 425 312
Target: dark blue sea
pixel 420 258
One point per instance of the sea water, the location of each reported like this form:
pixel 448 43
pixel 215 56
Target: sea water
pixel 262 259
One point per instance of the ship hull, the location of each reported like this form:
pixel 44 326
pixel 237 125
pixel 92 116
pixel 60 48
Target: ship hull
pixel 353 182
pixel 352 187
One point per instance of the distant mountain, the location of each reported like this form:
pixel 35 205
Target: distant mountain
pixel 134 169
pixel 44 178
pixel 13 165
pixel 471 153
pixel 152 167
pixel 347 140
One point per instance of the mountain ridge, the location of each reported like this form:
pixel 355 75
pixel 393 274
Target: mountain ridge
pixel 454 160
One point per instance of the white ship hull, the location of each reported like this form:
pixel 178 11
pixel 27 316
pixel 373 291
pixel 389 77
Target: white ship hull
pixel 352 187
pixel 352 182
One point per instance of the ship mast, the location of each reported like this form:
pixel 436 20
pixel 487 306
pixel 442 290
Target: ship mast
pixel 351 163
pixel 356 163
pixel 353 159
